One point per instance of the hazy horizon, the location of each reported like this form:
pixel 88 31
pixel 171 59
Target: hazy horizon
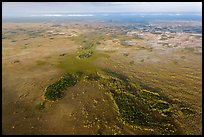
pixel 12 9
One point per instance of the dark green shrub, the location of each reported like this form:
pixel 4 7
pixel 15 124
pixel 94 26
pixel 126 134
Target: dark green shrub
pixel 86 55
pixel 55 90
pixel 92 77
pixel 137 106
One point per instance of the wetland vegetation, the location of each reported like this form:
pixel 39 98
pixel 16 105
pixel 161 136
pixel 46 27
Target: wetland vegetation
pixel 104 78
pixel 55 90
pixel 136 106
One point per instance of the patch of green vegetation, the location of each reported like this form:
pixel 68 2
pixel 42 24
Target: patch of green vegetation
pixel 146 94
pixel 56 25
pixel 41 105
pixel 110 51
pixel 125 54
pixel 99 132
pixel 161 105
pixel 71 63
pixel 87 45
pixel 86 54
pixel 16 61
pixel 62 54
pixel 92 77
pixel 163 38
pixel 13 40
pixel 138 107
pixel 150 49
pixel 135 112
pixel 187 111
pixel 55 90
pixel 131 62
pixel 175 62
pixel 78 74
pixel 88 41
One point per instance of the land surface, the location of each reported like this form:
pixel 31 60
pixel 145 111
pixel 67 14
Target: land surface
pixel 130 82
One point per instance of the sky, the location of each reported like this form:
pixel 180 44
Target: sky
pixel 32 8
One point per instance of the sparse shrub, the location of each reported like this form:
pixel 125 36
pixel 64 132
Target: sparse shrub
pixel 175 62
pixel 131 62
pixel 87 45
pixel 187 111
pixel 126 54
pixel 92 77
pixel 62 54
pixel 13 41
pixel 16 61
pixel 87 54
pixel 41 105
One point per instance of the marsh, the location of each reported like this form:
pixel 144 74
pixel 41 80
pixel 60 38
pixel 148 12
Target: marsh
pixel 108 75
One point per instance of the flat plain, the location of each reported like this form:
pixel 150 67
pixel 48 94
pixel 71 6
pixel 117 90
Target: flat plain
pixel 125 81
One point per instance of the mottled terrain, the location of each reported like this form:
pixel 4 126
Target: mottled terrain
pixel 130 82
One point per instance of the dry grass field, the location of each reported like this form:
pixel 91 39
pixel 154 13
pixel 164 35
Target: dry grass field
pixel 129 84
